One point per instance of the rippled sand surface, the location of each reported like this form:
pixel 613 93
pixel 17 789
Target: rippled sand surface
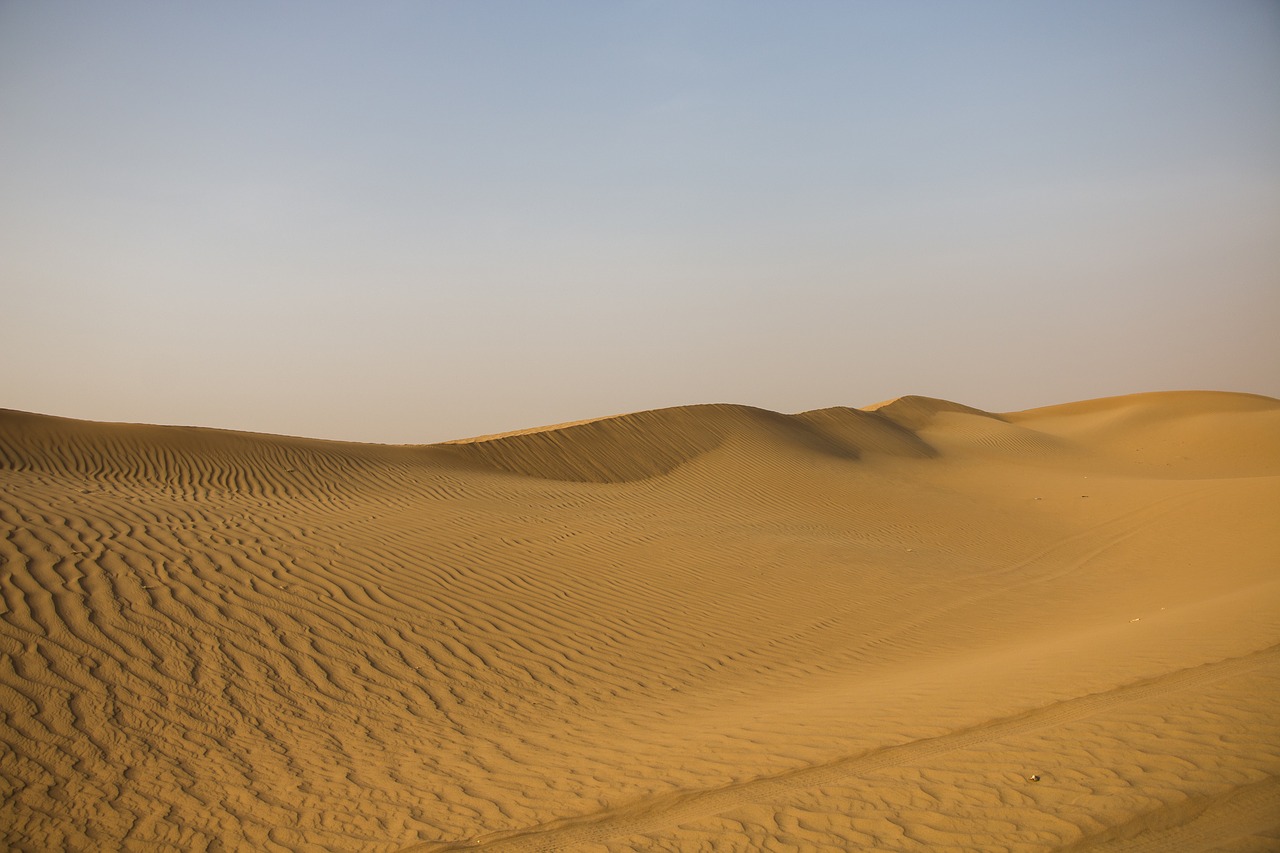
pixel 917 626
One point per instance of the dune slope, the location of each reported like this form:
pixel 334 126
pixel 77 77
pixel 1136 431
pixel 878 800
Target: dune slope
pixel 917 626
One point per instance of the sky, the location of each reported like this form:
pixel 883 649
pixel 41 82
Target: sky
pixel 408 222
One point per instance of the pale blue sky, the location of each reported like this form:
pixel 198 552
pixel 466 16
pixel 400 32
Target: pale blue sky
pixel 409 222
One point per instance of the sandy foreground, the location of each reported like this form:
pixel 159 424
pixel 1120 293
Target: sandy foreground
pixel 917 626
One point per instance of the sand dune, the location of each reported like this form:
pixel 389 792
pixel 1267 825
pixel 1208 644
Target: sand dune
pixel 916 626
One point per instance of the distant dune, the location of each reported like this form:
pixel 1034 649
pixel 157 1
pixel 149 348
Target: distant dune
pixel 915 626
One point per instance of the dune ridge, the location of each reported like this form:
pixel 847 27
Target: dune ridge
pixel 625 448
pixel 710 627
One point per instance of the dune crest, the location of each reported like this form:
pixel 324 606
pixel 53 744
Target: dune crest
pixel 916 625
pixel 913 411
pixel 626 448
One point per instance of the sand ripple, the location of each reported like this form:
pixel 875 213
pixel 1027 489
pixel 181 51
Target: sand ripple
pixel 705 628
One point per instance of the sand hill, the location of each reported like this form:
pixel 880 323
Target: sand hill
pixel 918 626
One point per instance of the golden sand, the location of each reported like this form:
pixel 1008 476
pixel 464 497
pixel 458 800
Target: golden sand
pixel 918 626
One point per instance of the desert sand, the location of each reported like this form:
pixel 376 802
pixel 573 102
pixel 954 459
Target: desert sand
pixel 915 626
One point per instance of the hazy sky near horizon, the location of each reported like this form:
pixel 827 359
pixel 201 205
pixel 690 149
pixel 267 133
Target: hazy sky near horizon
pixel 415 221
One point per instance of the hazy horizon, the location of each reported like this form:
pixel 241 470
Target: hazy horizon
pixel 409 223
